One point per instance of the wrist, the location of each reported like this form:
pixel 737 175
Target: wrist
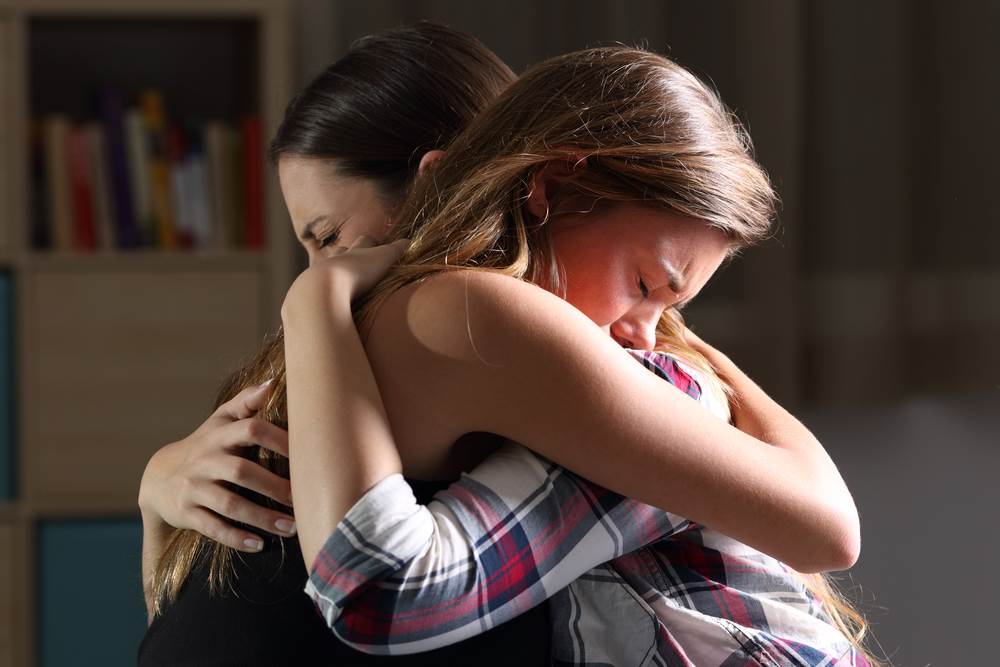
pixel 157 470
pixel 314 293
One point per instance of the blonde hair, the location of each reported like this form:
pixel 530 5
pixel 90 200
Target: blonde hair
pixel 642 129
pixel 186 548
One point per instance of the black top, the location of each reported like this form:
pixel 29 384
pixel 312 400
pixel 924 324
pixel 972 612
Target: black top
pixel 271 621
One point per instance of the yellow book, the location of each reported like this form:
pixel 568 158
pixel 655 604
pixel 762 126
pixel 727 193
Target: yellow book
pixel 151 103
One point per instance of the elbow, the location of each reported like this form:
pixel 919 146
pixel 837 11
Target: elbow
pixel 837 545
pixel 845 549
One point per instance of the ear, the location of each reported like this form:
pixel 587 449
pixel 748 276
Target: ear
pixel 549 179
pixel 428 160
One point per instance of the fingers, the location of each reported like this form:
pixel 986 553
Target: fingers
pixel 253 431
pixel 246 403
pixel 215 528
pixel 252 476
pixel 234 507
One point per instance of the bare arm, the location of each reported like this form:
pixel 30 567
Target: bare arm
pixel 568 390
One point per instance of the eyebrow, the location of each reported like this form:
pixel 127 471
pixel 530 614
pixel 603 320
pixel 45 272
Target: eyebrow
pixel 674 279
pixel 307 231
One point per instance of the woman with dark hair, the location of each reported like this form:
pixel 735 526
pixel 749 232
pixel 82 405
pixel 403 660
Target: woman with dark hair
pixel 571 219
pixel 347 150
pixel 317 218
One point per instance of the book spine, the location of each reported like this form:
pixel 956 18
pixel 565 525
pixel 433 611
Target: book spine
pixel 151 102
pixel 41 237
pixel 138 170
pixel 81 190
pixel 201 209
pixel 234 188
pixel 127 232
pixel 198 191
pixel 252 182
pixel 57 178
pixel 215 142
pixel 103 218
pixel 177 166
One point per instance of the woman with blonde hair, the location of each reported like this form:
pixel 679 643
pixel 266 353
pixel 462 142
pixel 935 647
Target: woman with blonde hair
pixel 604 524
pixel 604 188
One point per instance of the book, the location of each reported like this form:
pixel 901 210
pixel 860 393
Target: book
pixel 81 189
pixel 253 206
pixel 215 140
pixel 197 189
pixel 161 208
pixel 60 207
pixel 139 180
pixel 123 206
pixel 101 186
pixel 234 188
pixel 40 234
pixel 181 203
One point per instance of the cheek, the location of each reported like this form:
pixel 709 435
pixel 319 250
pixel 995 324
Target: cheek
pixel 597 285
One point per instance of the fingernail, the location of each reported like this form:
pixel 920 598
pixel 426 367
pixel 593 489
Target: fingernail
pixel 254 544
pixel 265 383
pixel 285 526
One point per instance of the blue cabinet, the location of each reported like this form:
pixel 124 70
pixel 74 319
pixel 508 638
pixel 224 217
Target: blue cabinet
pixel 89 592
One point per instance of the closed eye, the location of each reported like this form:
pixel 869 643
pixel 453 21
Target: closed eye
pixel 643 289
pixel 329 238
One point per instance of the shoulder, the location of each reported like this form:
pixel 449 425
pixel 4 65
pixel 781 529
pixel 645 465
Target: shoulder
pixel 482 313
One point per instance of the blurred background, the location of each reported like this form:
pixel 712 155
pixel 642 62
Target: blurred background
pixel 874 314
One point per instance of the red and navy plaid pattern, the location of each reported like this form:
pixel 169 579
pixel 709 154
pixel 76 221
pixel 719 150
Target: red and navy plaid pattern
pixel 396 577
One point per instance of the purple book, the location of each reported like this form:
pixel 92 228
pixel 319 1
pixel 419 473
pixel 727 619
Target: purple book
pixel 118 172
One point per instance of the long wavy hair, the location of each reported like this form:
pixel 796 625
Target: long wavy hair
pixel 642 129
pixel 372 114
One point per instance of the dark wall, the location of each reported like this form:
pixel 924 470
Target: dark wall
pixel 876 309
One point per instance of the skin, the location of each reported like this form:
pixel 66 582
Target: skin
pixel 625 268
pixel 328 209
pixel 330 212
pixel 184 483
pixel 445 352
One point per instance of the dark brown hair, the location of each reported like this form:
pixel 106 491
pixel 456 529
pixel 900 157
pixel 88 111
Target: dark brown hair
pixel 372 114
pixel 392 98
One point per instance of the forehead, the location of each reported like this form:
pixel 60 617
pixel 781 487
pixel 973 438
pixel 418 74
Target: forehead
pixel 314 190
pixel 666 236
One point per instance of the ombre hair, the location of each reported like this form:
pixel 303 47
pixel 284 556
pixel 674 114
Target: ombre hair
pixel 638 128
pixel 372 114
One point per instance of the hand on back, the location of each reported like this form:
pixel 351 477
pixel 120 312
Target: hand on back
pixel 189 483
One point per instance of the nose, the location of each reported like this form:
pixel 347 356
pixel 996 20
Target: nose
pixel 637 330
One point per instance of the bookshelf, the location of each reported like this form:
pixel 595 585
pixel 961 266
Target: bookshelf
pixel 98 335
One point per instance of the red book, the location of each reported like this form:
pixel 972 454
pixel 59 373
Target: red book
pixel 81 191
pixel 253 197
pixel 177 153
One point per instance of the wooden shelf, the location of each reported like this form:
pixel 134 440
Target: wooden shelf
pixel 119 352
pixel 151 260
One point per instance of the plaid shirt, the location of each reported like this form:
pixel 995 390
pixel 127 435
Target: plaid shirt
pixel 629 584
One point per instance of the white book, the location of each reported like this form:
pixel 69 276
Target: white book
pixel 57 174
pixel 103 217
pixel 219 175
pixel 181 198
pixel 201 212
pixel 137 141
